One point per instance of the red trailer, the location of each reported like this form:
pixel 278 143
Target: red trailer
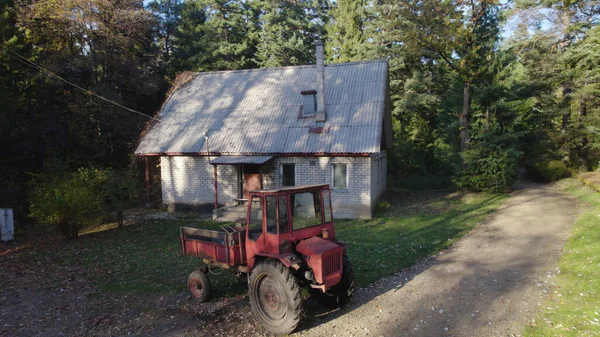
pixel 288 243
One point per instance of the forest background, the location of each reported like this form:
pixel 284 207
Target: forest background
pixel 479 87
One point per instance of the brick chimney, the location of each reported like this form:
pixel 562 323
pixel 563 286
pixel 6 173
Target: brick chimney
pixel 321 113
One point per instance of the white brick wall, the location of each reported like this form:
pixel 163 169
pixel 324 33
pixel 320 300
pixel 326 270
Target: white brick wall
pixel 189 180
pixel 353 202
pixel 378 178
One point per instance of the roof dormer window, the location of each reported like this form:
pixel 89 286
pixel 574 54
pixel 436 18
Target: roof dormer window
pixel 309 103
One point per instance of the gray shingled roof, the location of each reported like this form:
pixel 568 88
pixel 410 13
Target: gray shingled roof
pixel 256 112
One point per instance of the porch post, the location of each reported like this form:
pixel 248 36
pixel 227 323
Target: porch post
pixel 147 166
pixel 216 186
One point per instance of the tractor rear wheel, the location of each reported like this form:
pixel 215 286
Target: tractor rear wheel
pixel 341 293
pixel 199 286
pixel 275 297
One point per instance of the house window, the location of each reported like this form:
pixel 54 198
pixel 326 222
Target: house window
pixel 339 175
pixel 309 103
pixel 288 174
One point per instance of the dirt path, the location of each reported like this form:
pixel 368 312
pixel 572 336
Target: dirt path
pixel 489 284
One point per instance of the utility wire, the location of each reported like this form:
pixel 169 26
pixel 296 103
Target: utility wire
pixel 11 53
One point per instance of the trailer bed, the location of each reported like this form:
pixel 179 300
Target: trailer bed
pixel 226 246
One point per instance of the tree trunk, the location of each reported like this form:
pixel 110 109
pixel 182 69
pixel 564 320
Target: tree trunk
pixel 487 118
pixel 585 154
pixel 464 117
pixel 565 103
pixel 120 218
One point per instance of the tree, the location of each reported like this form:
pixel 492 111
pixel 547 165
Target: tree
pixel 20 131
pixel 167 15
pixel 228 37
pixel 189 51
pixel 347 33
pixel 583 60
pixel 105 47
pixel 287 31
pixel 460 33
pixel 559 74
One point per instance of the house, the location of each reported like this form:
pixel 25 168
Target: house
pixel 222 134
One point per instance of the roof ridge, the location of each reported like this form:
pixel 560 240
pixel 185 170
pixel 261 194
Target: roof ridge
pixel 344 64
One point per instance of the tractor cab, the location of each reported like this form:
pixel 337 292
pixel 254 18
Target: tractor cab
pixel 280 218
pixel 295 226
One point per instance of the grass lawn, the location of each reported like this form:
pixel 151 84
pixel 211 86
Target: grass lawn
pixel 411 230
pixel 574 306
pixel 144 258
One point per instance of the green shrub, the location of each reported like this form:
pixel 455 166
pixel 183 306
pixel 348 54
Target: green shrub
pixel 487 167
pixel 383 205
pixel 121 190
pixel 68 201
pixel 71 201
pixel 547 170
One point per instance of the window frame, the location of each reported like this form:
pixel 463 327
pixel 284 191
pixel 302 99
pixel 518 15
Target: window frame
pixel 315 205
pixel 306 96
pixel 253 223
pixel 281 174
pixel 333 176
pixel 275 219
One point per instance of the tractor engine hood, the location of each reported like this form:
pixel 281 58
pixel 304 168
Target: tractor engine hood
pixel 325 258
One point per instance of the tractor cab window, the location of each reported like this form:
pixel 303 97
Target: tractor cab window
pixel 306 209
pixel 255 224
pixel 327 207
pixel 271 215
pixel 284 221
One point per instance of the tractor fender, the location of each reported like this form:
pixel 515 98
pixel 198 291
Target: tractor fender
pixel 289 260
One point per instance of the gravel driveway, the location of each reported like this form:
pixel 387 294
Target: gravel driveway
pixel 488 284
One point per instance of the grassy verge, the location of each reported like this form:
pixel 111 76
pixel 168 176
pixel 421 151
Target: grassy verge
pixel 591 179
pixel 144 258
pixel 574 306
pixel 411 230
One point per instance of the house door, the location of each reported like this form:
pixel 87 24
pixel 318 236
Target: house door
pixel 252 179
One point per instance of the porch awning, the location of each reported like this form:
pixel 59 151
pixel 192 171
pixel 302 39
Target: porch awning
pixel 235 160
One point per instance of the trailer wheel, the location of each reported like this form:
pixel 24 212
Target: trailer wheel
pixel 199 286
pixel 275 297
pixel 341 293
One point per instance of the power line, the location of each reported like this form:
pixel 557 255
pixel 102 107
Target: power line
pixel 11 53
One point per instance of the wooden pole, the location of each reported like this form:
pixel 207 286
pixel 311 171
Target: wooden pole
pixel 216 186
pixel 147 164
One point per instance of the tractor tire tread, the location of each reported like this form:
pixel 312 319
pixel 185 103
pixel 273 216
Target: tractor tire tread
pixel 291 283
pixel 201 277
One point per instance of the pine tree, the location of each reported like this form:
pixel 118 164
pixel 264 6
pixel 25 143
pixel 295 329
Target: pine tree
pixel 189 51
pixel 347 33
pixel 288 30
pixel 460 33
pixel 168 18
pixel 229 35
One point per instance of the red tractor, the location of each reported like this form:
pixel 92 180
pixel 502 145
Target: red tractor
pixel 288 244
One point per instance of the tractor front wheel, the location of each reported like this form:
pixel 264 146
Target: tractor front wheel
pixel 199 286
pixel 275 297
pixel 341 293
